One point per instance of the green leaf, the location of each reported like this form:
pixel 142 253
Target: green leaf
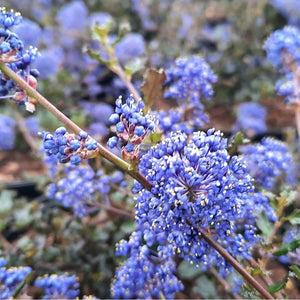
pixel 156 137
pixel 287 247
pixel 101 32
pixel 23 216
pixel 296 270
pixel 21 285
pixel 188 271
pixel 294 217
pixel 273 288
pixel 234 142
pixel 264 224
pixel 205 288
pixel 6 201
pixel 135 65
pixel 289 196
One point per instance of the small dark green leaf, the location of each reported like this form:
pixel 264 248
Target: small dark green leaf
pixel 264 224
pixel 287 247
pixel 21 285
pixel 273 288
pixel 156 137
pixel 234 142
pixel 296 270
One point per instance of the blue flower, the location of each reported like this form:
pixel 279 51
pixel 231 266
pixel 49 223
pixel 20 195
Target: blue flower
pixel 268 162
pixel 11 278
pixel 58 287
pixel 190 80
pixel 9 18
pixel 7 132
pixel 131 127
pixel 73 16
pixel 145 274
pixel 69 147
pixel 12 53
pixel 251 119
pixel 283 48
pixel 131 46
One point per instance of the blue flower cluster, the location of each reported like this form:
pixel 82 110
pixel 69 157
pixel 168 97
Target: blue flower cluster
pixel 69 147
pixel 131 46
pixel 146 274
pixel 13 54
pixel 10 278
pixel 189 81
pixel 58 287
pixel 7 132
pixel 198 187
pixel 268 162
pixel 251 119
pixel 283 48
pixel 81 187
pixel 131 127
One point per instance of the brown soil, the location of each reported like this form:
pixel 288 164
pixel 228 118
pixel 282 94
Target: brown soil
pixel 17 165
pixel 279 116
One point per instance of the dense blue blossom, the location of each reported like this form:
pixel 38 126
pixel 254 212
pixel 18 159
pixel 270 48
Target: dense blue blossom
pixel 80 187
pixel 131 127
pixel 69 147
pixel 10 278
pixel 73 15
pixel 58 287
pixel 269 162
pixel 190 81
pixel 283 48
pixel 131 46
pixel 198 186
pixel 7 132
pixel 251 119
pixel 145 274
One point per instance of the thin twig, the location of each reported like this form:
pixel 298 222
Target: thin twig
pixel 224 283
pixel 25 132
pixel 236 266
pixel 31 92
